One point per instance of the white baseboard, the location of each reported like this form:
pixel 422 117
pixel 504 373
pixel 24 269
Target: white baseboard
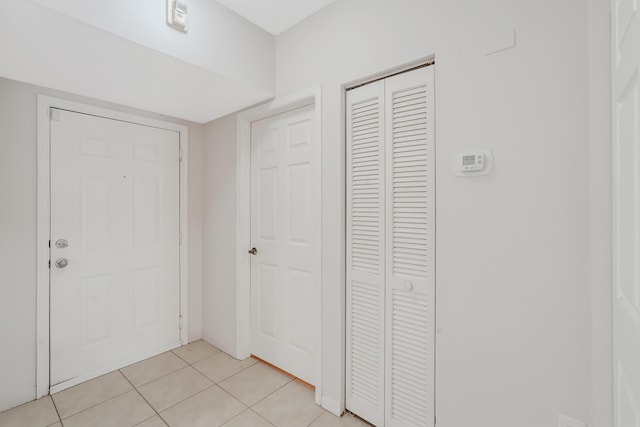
pixel 332 406
pixel 225 349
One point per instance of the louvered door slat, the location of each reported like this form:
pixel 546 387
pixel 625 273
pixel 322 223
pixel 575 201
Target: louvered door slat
pixel 365 253
pixel 410 280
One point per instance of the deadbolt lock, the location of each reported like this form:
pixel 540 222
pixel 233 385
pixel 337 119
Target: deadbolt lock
pixel 61 243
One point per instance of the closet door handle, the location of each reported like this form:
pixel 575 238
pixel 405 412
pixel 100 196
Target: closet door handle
pixel 253 251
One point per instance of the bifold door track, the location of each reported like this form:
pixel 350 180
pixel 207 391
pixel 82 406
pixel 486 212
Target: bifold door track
pixel 348 412
pixel 417 67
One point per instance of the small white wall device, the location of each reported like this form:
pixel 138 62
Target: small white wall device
pixel 472 162
pixel 177 14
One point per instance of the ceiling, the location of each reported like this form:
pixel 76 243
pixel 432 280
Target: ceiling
pixel 123 52
pixel 275 16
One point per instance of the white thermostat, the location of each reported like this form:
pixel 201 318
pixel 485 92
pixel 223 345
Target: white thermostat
pixel 472 162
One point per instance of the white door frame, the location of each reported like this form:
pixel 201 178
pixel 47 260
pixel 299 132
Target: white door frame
pixel 311 96
pixel 43 227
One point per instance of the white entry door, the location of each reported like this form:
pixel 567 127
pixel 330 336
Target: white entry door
pixel 114 244
pixel 626 212
pixel 285 226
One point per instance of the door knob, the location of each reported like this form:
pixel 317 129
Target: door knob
pixel 253 251
pixel 61 262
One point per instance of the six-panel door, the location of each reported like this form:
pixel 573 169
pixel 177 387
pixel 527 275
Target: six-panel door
pixel 115 200
pixel 285 221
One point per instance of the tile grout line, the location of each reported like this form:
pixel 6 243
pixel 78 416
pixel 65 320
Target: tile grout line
pixel 161 376
pixel 248 409
pixel 56 408
pixel 290 379
pixel 214 384
pixel 197 361
pixel 241 370
pixel 229 376
pixel 278 389
pixel 95 404
pixel 275 391
pixel 189 365
pixel 152 416
pixel 316 418
pixel 236 398
pixel 186 398
pixel 178 356
pixel 201 391
pixel 143 398
pixel 61 420
pixel 260 415
pixel 168 373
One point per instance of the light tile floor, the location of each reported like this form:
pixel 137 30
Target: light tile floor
pixel 191 386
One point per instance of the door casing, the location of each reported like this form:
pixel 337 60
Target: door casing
pixel 43 229
pixel 625 94
pixel 311 96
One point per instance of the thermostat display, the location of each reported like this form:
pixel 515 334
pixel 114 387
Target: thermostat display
pixel 472 163
pixel 469 160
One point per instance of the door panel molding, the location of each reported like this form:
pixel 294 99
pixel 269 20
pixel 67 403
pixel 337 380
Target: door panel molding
pixel 43 229
pixel 311 96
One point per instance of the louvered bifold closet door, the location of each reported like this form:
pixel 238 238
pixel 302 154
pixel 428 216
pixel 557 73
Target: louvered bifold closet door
pixel 410 250
pixel 365 252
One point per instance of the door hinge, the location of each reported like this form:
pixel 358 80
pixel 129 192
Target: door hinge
pixel 49 264
pixel 54 114
pixel 49 244
pixel 180 322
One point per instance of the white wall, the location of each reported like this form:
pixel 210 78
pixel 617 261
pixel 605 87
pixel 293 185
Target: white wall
pixel 600 270
pixel 219 284
pixel 513 249
pixel 206 44
pixel 196 226
pixel 222 65
pixel 514 301
pixel 346 41
pixel 18 228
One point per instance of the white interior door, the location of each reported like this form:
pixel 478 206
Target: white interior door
pixel 285 224
pixel 115 201
pixel 626 212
